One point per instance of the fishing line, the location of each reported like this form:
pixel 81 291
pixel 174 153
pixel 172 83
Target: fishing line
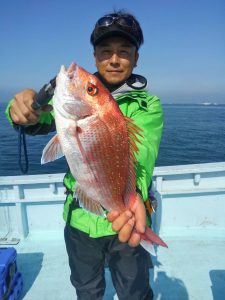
pixel 22 151
pixel 40 99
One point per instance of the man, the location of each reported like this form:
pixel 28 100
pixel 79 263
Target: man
pixel 91 239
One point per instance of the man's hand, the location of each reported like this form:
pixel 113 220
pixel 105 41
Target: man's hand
pixel 124 223
pixel 21 110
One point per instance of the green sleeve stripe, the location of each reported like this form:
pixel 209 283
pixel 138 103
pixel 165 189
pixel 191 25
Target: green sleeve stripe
pixel 45 117
pixel 7 113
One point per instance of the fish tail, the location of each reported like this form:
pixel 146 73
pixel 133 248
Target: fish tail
pixel 149 238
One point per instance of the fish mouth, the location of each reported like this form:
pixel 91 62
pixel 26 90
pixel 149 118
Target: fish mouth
pixel 72 70
pixel 72 74
pixel 65 77
pixel 70 88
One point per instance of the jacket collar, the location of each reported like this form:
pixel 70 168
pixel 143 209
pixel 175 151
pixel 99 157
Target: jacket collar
pixel 134 82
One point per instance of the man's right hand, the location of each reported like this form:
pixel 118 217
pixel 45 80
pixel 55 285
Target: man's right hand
pixel 21 110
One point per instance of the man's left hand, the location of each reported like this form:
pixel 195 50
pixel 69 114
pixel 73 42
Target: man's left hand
pixel 124 223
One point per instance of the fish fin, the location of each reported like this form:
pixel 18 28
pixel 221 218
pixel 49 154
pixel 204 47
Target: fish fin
pixel 52 150
pixel 88 203
pixel 149 238
pixel 134 132
pixel 148 246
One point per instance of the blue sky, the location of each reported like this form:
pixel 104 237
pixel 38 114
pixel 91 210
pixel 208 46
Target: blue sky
pixel 183 56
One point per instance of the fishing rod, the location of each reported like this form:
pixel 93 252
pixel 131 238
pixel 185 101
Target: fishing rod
pixel 40 99
pixel 44 95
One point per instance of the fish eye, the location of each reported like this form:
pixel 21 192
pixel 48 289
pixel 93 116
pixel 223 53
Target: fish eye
pixel 92 89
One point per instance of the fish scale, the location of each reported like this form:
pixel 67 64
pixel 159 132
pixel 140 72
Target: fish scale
pixel 110 186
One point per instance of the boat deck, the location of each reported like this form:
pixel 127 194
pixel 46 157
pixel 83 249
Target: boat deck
pixel 188 269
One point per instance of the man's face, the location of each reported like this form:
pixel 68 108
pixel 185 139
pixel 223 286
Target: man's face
pixel 115 58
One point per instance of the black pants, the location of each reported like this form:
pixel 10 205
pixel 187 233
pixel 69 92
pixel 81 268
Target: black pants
pixel 129 266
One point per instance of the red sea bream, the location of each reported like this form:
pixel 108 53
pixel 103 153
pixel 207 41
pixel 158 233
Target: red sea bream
pixel 99 144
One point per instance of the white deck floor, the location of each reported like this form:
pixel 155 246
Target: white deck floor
pixel 191 269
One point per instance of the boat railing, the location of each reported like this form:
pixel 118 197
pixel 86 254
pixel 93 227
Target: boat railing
pixel 191 201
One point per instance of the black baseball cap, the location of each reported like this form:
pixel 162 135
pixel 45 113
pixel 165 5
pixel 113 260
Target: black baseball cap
pixel 117 24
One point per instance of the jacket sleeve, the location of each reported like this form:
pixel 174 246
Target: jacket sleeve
pixel 150 120
pixel 45 124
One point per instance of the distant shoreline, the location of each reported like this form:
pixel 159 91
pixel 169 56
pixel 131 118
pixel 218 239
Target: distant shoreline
pixel 5 102
pixel 5 97
pixel 196 104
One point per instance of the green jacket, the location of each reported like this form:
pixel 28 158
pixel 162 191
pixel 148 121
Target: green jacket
pixel 146 111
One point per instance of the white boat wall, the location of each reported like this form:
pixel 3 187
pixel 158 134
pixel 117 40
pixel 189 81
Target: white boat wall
pixel 190 218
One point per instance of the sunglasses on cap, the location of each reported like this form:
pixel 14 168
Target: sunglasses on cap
pixel 122 21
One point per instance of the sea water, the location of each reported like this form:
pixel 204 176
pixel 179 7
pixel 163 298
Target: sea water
pixel 192 134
